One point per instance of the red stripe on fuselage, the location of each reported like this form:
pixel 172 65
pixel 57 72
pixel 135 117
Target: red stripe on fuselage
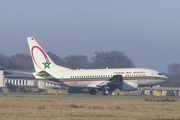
pixel 96 80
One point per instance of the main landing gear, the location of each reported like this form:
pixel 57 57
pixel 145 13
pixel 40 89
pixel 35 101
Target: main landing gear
pixel 92 92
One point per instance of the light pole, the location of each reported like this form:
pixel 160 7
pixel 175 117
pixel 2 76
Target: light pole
pixel 171 84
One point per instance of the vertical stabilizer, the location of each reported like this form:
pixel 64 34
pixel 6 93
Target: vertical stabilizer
pixel 41 61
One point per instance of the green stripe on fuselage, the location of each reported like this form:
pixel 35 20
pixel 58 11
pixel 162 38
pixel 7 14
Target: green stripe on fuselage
pixel 107 78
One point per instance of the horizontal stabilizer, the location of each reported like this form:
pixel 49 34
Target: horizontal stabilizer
pixel 42 73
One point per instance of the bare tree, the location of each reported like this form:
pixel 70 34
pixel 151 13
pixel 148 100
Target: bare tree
pixel 174 69
pixel 173 75
pixel 76 61
pixel 5 61
pixel 56 59
pixel 112 59
pixel 21 61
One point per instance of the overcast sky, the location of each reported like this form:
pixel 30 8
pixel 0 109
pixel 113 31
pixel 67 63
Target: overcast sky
pixel 147 31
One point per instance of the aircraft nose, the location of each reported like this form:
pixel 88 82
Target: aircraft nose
pixel 166 77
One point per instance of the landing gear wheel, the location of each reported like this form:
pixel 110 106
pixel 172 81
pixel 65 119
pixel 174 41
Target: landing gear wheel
pixel 151 91
pixel 92 92
pixel 106 92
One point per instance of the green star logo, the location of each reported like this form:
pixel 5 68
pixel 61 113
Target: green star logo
pixel 46 64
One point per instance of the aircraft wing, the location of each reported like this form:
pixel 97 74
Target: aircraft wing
pixel 116 80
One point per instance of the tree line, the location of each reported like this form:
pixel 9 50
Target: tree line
pixel 112 59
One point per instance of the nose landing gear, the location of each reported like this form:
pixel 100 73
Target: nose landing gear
pixel 151 91
pixel 105 92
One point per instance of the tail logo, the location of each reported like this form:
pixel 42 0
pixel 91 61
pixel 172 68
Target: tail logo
pixel 47 63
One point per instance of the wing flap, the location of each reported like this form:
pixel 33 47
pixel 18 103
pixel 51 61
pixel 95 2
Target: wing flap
pixel 94 84
pixel 104 83
pixel 116 80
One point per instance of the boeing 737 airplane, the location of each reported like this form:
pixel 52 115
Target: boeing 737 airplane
pixel 105 80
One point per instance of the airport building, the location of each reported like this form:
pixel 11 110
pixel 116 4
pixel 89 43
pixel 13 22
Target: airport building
pixel 24 80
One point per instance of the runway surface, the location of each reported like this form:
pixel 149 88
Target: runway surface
pixel 80 97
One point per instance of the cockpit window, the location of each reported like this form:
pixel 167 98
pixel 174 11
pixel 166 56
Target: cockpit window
pixel 160 74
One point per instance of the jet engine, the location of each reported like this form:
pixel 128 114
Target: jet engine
pixel 128 86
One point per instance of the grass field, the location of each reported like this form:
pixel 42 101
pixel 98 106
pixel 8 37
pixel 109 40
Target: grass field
pixel 32 108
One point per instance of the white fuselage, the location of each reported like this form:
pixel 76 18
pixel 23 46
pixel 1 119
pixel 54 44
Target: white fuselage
pixel 86 78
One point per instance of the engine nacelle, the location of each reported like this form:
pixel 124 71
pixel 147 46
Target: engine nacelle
pixel 128 86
